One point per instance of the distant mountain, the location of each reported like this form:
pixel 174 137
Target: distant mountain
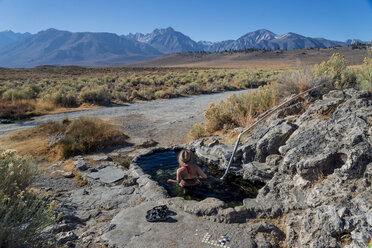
pixel 55 47
pixel 8 37
pixel 265 39
pixel 355 41
pixel 167 41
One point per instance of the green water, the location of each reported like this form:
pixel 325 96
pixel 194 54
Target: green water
pixel 163 166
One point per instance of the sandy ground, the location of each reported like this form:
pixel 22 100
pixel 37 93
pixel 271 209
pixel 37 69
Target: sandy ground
pixel 165 121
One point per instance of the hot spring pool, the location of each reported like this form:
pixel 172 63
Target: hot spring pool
pixel 162 166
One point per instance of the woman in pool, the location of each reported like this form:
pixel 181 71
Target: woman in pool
pixel 188 173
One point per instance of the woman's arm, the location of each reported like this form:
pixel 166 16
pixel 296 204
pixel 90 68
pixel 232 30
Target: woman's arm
pixel 178 179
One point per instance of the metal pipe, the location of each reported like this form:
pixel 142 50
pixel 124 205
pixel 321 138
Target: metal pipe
pixel 264 117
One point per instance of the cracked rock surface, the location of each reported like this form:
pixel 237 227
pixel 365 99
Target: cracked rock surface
pixel 316 167
pixel 315 164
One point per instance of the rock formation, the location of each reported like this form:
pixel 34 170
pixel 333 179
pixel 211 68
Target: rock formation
pixel 313 157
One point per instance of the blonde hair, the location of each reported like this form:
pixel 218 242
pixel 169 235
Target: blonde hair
pixel 186 157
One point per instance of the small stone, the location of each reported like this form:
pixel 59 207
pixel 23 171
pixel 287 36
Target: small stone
pixel 81 165
pixel 57 228
pixel 68 174
pixel 101 158
pixel 66 237
pixel 114 154
pixel 126 149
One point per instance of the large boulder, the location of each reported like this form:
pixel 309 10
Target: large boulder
pixel 316 167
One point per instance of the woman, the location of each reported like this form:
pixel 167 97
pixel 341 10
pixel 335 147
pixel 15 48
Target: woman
pixel 188 173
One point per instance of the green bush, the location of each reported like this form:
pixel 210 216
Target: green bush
pixel 197 131
pixel 96 94
pixel 22 215
pixel 336 68
pixel 63 97
pixel 364 76
pixel 23 93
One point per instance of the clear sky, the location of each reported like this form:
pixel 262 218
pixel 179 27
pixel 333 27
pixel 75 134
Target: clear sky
pixel 211 20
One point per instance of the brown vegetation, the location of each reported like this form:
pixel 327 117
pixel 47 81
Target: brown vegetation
pixel 42 92
pixel 78 136
pixel 241 110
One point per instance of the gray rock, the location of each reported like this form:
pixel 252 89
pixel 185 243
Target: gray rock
pixel 132 230
pixel 126 149
pixel 233 215
pixel 275 137
pixel 63 238
pixel 57 228
pixel 71 218
pixel 81 165
pixel 68 174
pixel 56 138
pixel 114 154
pixel 108 175
pixel 257 172
pixel 217 154
pixel 101 158
pixel 105 164
pixel 206 207
pixel 317 228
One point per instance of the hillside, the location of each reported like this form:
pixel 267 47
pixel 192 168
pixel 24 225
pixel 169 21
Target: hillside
pixel 9 37
pixel 55 47
pixel 255 59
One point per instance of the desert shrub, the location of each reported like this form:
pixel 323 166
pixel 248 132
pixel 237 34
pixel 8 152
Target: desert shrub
pixel 63 97
pixel 86 134
pixel 121 96
pixel 197 131
pixel 96 94
pixel 165 94
pixel 147 93
pixel 15 110
pixel 364 75
pixel 336 68
pixel 239 110
pixel 22 215
pixel 24 93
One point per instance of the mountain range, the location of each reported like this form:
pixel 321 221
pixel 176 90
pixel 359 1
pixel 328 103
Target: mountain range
pixel 56 47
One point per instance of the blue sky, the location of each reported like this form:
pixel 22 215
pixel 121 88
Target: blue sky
pixel 212 20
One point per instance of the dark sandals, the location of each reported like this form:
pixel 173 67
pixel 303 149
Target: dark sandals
pixel 158 213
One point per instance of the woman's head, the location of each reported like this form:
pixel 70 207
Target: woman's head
pixel 186 157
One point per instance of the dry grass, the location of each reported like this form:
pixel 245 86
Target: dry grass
pixel 240 110
pixel 22 214
pixel 49 92
pixel 83 135
pixel 197 131
pixel 15 110
pixel 243 109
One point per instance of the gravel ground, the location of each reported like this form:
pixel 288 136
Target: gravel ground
pixel 165 121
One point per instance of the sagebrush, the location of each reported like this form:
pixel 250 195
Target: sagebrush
pixel 22 214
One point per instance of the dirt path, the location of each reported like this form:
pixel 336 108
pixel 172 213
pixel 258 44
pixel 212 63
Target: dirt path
pixel 165 121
